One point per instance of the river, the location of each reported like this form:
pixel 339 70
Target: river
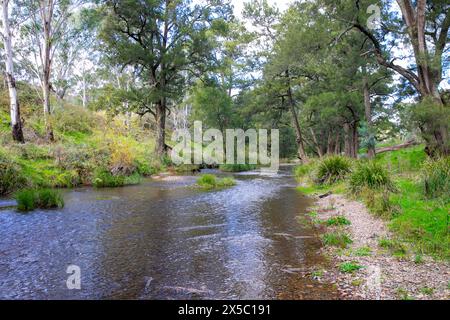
pixel 166 240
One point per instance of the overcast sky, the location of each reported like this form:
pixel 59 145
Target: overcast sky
pixel 239 5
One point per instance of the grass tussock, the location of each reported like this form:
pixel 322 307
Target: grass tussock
pixel 436 178
pixel 209 181
pixel 370 175
pixel 336 239
pixel 332 169
pixel 31 199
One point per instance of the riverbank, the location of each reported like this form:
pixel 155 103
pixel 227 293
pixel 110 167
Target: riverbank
pixel 381 274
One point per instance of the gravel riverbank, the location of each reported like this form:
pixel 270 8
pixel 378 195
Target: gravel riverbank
pixel 383 275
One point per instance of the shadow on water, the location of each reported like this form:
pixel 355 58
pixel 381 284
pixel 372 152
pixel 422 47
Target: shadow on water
pixel 166 240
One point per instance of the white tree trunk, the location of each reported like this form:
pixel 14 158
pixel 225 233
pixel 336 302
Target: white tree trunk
pixel 16 124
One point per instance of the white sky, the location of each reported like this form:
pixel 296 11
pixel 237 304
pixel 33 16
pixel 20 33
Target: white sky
pixel 239 5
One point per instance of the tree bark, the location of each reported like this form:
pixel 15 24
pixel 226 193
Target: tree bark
pixel 300 144
pixel 46 16
pixel 16 123
pixel 398 147
pixel 368 113
pixel 316 143
pixel 161 147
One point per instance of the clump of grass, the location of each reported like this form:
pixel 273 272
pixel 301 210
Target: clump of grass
pixel 332 169
pixel 427 290
pixel 28 200
pixel 436 178
pixel 395 247
pixel 380 203
pixel 209 181
pixel 338 221
pixel 336 239
pixel 350 267
pixel 403 294
pixel 304 171
pixel 363 252
pixel 237 167
pixel 370 175
pixel 104 179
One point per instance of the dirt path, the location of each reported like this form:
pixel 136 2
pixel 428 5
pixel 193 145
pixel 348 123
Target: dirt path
pixel 383 276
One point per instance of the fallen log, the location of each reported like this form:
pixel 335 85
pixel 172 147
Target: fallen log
pixel 397 147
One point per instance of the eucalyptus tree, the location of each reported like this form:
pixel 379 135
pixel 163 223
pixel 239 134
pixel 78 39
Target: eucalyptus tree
pixel 417 34
pixel 167 41
pixel 16 122
pixel 42 36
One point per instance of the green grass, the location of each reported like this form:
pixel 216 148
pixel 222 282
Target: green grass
pixel 350 267
pixel 338 221
pixel 237 167
pixel 104 179
pixel 336 239
pixel 363 252
pixel 209 181
pixel 28 200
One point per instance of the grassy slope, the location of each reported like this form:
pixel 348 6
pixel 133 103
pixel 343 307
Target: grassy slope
pixel 422 222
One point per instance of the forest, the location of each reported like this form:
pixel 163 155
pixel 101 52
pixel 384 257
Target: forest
pixel 359 90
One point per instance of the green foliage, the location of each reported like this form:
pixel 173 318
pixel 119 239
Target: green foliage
pixel 304 171
pixel 28 200
pixel 104 179
pixel 209 181
pixel 403 161
pixel 350 267
pixel 11 177
pixel 338 221
pixel 436 178
pixel 332 169
pixel 336 239
pixel 363 252
pixel 237 167
pixel 74 119
pixel 370 175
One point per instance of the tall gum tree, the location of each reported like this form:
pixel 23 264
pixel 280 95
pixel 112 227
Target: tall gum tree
pixel 167 41
pixel 16 123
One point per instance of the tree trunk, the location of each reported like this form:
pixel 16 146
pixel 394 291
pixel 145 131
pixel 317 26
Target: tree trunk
pixel 347 144
pixel 47 15
pixel 161 128
pixel 300 144
pixel 355 140
pixel 368 113
pixel 16 123
pixel 316 143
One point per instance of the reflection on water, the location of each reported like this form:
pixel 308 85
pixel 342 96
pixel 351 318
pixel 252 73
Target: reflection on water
pixel 165 240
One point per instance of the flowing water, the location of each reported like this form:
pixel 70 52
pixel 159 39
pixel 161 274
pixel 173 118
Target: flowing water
pixel 166 240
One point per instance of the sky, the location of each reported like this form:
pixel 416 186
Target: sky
pixel 239 5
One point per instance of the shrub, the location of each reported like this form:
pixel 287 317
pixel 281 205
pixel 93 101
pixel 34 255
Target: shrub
pixel 123 160
pixel 436 178
pixel 11 177
pixel 74 119
pixel 370 175
pixel 104 179
pixel 237 167
pixel 28 200
pixel 336 240
pixel 332 169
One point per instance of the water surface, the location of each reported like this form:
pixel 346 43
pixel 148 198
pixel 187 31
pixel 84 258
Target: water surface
pixel 166 240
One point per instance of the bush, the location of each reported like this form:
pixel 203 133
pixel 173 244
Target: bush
pixel 370 175
pixel 28 200
pixel 237 167
pixel 436 178
pixel 11 177
pixel 332 169
pixel 104 179
pixel 74 119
